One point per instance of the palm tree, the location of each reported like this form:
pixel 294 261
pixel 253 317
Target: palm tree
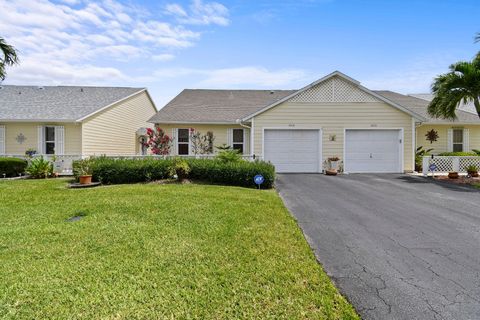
pixel 477 37
pixel 9 57
pixel 461 84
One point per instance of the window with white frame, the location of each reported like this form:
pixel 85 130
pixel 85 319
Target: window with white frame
pixel 49 140
pixel 457 140
pixel 183 141
pixel 238 140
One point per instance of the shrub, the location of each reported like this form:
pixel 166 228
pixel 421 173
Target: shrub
pixel 180 168
pixel 472 168
pixel 40 168
pixel 458 154
pixel 229 156
pixel 116 171
pixel 239 173
pixel 12 167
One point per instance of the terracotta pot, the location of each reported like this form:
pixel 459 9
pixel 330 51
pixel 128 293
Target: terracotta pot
pixel 473 174
pixel 453 175
pixel 85 179
pixel 331 172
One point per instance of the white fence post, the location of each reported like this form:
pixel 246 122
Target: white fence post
pixel 425 165
pixel 456 164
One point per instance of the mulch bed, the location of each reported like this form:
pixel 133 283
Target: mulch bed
pixel 462 180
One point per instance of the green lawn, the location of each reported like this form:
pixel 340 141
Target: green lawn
pixel 150 251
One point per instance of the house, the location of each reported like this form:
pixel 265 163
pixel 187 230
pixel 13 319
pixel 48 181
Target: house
pixel 73 120
pixel 298 130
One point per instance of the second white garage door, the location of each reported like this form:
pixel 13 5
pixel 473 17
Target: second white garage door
pixel 373 151
pixel 293 150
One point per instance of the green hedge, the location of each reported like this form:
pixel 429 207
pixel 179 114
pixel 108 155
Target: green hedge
pixel 458 154
pixel 12 167
pixel 117 171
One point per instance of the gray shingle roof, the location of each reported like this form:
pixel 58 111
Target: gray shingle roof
pixel 216 106
pixel 419 106
pixel 62 103
pixel 226 106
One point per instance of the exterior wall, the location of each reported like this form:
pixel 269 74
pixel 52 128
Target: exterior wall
pixel 333 118
pixel 219 132
pixel 113 131
pixel 441 145
pixel 72 136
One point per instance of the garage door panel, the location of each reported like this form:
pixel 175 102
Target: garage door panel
pixel 292 150
pixel 372 151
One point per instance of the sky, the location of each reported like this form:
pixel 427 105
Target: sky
pixel 167 46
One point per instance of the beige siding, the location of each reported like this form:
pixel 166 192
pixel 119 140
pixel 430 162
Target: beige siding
pixel 73 137
pixel 441 145
pixel 219 132
pixel 333 118
pixel 113 131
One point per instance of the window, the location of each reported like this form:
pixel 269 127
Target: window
pixel 457 140
pixel 50 140
pixel 238 140
pixel 183 141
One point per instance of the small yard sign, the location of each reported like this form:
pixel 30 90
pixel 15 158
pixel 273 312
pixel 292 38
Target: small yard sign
pixel 432 167
pixel 258 179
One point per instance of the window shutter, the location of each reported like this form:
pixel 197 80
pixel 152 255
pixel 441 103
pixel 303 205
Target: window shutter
pixel 466 140
pixel 450 140
pixel 59 140
pixel 230 137
pixel 41 140
pixel 173 150
pixel 2 139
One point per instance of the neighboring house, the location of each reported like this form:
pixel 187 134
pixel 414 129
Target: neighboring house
pixel 73 120
pixel 298 130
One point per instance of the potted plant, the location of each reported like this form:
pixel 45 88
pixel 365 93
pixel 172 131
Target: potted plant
pixel 472 171
pixel 453 175
pixel 333 163
pixel 85 171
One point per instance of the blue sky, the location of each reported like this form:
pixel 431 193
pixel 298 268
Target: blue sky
pixel 170 45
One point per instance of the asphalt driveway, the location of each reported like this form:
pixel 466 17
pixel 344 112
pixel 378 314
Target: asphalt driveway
pixel 398 247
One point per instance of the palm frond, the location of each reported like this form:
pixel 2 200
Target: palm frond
pixel 8 57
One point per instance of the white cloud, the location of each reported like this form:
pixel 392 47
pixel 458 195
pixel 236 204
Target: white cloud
pixel 200 13
pixel 78 34
pixel 250 76
pixel 163 57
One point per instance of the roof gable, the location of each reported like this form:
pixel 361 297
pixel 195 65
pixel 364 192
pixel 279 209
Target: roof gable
pixel 335 87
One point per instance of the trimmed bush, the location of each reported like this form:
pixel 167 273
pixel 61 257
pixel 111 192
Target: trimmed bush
pixel 458 154
pixel 117 171
pixel 12 167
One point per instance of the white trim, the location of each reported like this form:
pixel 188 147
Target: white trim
pixel 252 140
pixel 401 147
pixel 2 140
pixel 39 120
pixel 189 142
pixel 193 122
pixel 414 143
pixel 345 77
pixel 320 138
pixel 231 142
pixel 112 104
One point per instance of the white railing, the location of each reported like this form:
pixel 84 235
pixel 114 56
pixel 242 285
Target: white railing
pixel 444 164
pixel 62 164
pixel 199 156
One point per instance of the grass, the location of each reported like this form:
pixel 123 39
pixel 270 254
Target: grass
pixel 150 251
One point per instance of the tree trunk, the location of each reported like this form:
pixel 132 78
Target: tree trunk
pixel 476 102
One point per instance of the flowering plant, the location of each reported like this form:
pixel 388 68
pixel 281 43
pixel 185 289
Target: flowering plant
pixel 201 143
pixel 158 141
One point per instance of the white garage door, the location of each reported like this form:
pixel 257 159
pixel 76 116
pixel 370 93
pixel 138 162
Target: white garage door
pixel 293 150
pixel 373 151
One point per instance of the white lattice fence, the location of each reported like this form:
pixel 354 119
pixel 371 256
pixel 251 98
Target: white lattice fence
pixel 449 164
